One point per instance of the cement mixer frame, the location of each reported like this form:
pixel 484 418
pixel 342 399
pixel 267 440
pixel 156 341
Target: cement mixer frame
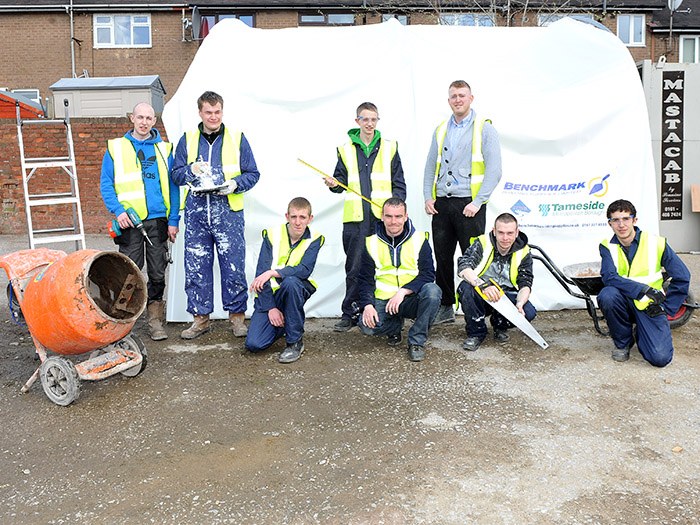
pixel 113 352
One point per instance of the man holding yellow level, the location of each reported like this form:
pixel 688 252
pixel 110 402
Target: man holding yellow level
pixel 370 167
pixel 499 259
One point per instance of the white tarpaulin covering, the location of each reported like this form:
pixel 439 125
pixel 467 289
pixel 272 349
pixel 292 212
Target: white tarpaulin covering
pixel 566 100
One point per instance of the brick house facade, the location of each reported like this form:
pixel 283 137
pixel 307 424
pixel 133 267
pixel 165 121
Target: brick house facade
pixel 38 52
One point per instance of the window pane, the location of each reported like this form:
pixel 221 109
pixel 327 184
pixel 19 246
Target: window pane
pixel 122 30
pixel 341 19
pixel 313 19
pixel 638 29
pixel 142 36
pixel 103 20
pixel 104 35
pixel 403 19
pixel 485 21
pixel 140 20
pixel 247 20
pixel 623 28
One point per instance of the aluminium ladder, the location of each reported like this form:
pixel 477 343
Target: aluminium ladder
pixel 33 166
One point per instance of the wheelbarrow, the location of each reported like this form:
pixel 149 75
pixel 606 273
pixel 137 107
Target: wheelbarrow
pixel 586 277
pixel 82 304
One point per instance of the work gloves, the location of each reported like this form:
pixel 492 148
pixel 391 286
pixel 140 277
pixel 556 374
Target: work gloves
pixel 228 187
pixel 657 297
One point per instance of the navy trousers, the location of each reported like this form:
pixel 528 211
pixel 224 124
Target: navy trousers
pixel 290 298
pixel 653 334
pixel 476 309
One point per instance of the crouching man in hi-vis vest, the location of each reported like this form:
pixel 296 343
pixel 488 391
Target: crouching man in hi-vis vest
pixel 136 175
pixel 631 268
pixel 397 281
pixel 283 284
pixel 504 257
pixel 216 162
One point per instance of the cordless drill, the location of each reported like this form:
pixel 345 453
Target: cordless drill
pixel 115 230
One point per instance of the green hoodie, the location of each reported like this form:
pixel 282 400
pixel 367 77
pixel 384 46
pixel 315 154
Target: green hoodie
pixel 354 135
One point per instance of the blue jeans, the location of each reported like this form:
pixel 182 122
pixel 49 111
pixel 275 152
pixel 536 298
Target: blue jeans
pixel 290 298
pixel 422 307
pixel 653 334
pixel 476 309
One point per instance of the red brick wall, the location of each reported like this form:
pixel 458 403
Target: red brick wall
pixel 90 141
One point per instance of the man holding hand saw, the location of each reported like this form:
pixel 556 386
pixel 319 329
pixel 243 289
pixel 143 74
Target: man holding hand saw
pixel 499 259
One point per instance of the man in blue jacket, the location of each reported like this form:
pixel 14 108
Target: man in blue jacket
pixel 135 174
pixel 218 166
pixel 397 280
pixel 631 268
pixel 283 282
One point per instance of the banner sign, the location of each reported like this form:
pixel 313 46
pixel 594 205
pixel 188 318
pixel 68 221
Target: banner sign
pixel 673 95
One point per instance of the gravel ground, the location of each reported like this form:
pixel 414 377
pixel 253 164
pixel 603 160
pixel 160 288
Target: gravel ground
pixel 354 433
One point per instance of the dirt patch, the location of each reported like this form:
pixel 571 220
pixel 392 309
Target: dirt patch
pixel 355 433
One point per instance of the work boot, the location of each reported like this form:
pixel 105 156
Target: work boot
pixel 156 319
pixel 237 324
pixel 199 326
pixel 343 325
pixel 501 336
pixel 416 352
pixel 471 344
pixel 621 354
pixel 292 352
pixel 445 314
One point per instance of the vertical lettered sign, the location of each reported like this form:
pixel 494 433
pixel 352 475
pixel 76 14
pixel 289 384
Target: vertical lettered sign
pixel 672 145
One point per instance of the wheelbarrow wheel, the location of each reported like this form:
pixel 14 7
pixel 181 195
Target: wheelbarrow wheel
pixel 60 380
pixel 133 342
pixel 683 314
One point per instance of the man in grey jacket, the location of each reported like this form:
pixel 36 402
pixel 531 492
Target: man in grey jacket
pixel 462 170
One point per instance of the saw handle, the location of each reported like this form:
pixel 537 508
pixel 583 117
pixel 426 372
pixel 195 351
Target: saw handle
pixel 480 289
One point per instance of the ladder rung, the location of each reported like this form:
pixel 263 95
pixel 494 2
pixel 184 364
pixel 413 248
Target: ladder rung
pixel 55 230
pixel 59 238
pixel 58 162
pixel 43 121
pixel 51 202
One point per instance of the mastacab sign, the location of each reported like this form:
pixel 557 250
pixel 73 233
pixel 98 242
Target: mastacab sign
pixel 672 145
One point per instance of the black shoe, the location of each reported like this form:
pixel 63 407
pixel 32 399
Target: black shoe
pixel 621 354
pixel 394 339
pixel 470 344
pixel 445 314
pixel 416 353
pixel 501 336
pixel 343 325
pixel 292 352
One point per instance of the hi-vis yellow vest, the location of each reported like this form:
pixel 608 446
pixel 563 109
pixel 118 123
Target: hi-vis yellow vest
pixel 282 252
pixel 478 166
pixel 488 250
pixel 380 179
pixel 230 159
pixel 646 265
pixel 389 277
pixel 128 178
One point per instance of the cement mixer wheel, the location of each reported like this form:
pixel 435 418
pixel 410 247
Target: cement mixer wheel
pixel 134 343
pixel 60 380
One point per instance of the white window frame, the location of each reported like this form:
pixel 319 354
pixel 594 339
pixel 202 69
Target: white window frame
pixel 110 25
pixel 30 93
pixel 630 28
pixel 543 20
pixel 452 19
pixel 694 40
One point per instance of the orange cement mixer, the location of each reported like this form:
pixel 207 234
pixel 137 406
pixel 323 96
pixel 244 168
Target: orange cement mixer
pixel 87 301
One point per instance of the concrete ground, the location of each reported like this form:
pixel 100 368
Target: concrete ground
pixel 354 433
